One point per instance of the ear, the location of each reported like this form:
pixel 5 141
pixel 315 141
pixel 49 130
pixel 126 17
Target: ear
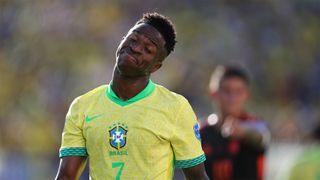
pixel 215 96
pixel 156 66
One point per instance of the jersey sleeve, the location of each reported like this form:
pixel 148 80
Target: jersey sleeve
pixel 73 141
pixel 186 141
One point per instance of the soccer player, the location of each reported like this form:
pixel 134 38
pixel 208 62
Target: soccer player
pixel 133 128
pixel 234 141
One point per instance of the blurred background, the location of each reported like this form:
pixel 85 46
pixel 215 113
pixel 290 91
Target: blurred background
pixel 52 51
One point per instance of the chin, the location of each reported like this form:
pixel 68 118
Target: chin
pixel 128 68
pixel 127 71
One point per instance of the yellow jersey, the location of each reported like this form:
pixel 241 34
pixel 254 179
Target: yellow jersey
pixel 145 137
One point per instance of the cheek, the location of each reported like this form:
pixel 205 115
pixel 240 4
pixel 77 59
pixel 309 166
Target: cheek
pixel 231 98
pixel 119 47
pixel 222 98
pixel 241 95
pixel 148 59
pixel 123 43
pixel 244 96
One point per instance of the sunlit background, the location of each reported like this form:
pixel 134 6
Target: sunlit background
pixel 52 51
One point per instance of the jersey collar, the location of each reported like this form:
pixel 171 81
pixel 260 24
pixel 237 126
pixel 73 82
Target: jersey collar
pixel 144 93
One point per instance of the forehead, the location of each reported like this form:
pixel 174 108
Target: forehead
pixel 233 82
pixel 148 31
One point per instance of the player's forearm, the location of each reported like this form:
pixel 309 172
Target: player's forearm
pixel 64 177
pixel 253 137
pixel 257 138
pixel 254 134
pixel 198 177
pixel 201 176
pixel 70 168
pixel 195 173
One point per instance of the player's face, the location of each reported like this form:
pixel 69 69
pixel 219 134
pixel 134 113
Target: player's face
pixel 232 95
pixel 140 52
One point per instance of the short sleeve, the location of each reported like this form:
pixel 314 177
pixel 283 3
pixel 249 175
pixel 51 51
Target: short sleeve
pixel 73 141
pixel 186 141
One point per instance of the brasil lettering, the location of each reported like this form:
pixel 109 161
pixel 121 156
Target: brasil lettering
pixel 118 153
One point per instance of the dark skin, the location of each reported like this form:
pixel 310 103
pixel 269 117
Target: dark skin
pixel 139 54
pixel 70 167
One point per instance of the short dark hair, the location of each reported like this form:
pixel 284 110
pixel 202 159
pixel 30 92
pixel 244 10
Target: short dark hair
pixel 164 26
pixel 231 72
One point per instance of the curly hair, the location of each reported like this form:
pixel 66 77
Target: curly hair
pixel 164 26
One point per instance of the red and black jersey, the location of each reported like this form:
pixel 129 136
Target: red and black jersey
pixel 229 158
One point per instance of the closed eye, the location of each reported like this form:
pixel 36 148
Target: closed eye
pixel 147 49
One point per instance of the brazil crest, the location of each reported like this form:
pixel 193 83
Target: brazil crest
pixel 118 137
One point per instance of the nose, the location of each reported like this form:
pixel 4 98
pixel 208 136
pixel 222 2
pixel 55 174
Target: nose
pixel 136 47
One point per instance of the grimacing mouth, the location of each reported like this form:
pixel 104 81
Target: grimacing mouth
pixel 127 50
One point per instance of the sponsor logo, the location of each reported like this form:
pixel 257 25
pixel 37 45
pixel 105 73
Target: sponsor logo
pixel 88 119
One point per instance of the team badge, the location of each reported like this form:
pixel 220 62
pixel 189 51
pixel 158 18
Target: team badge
pixel 196 129
pixel 118 136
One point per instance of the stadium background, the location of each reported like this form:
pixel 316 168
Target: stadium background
pixel 53 51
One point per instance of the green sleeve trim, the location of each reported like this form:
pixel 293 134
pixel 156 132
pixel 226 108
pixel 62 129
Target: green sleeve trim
pixel 190 162
pixel 144 93
pixel 74 151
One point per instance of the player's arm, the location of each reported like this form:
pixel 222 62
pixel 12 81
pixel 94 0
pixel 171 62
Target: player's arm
pixel 186 144
pixel 73 152
pixel 255 134
pixel 70 167
pixel 195 173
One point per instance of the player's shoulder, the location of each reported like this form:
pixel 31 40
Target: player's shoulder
pixel 91 95
pixel 170 96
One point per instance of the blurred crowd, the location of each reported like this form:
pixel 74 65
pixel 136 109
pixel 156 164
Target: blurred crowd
pixel 54 51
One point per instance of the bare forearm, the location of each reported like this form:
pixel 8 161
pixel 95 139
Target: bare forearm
pixel 65 176
pixel 198 177
pixel 70 168
pixel 196 173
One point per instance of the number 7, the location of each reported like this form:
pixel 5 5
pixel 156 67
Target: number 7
pixel 118 164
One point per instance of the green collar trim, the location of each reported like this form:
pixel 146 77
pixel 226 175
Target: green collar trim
pixel 144 93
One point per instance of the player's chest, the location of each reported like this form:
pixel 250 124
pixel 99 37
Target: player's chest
pixel 118 128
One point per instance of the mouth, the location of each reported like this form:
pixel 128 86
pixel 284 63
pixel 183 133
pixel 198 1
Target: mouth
pixel 130 57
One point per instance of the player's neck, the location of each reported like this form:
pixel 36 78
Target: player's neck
pixel 127 87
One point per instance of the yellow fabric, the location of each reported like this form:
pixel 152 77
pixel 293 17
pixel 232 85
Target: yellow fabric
pixel 160 128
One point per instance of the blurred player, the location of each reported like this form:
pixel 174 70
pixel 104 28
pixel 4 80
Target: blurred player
pixel 133 128
pixel 234 141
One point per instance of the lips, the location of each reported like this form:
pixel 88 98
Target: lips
pixel 131 57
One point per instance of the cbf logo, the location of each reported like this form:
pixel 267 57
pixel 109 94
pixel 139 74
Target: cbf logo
pixel 118 135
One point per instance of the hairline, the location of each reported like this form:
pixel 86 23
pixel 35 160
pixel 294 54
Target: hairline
pixel 244 79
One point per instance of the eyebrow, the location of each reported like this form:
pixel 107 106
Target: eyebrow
pixel 151 39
